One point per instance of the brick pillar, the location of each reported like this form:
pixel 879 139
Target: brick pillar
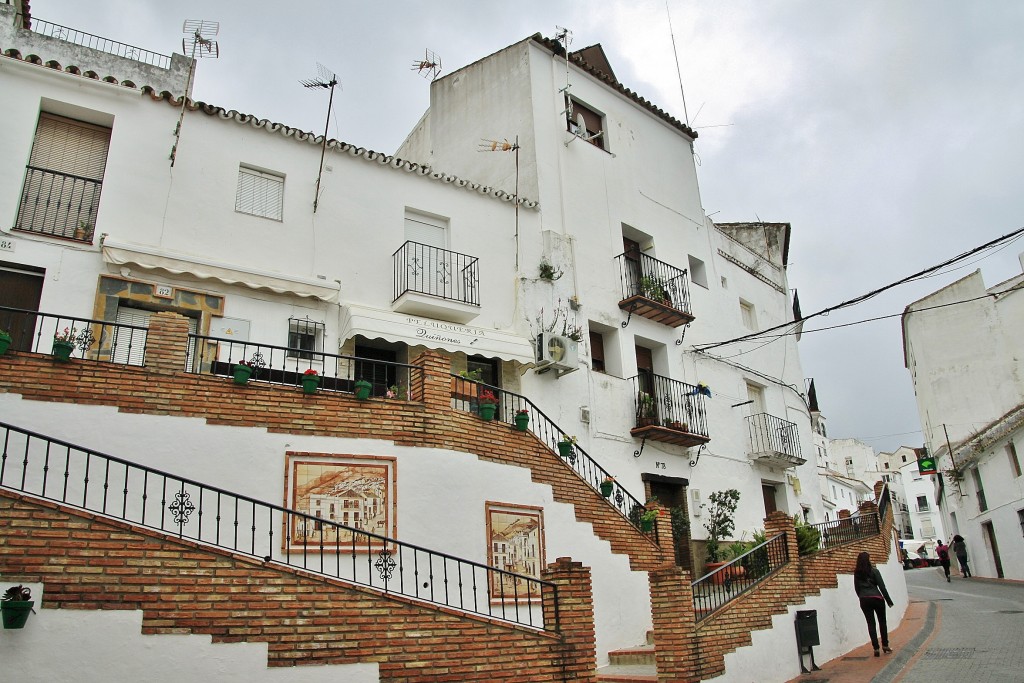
pixel 676 649
pixel 167 343
pixel 575 617
pixel 879 485
pixel 844 514
pixel 779 522
pixel 663 532
pixel 433 386
pixel 879 552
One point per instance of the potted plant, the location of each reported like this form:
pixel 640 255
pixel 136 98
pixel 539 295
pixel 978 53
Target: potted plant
pixel 5 341
pixel 242 371
pixel 488 404
pixel 647 518
pixel 310 381
pixel 363 389
pixel 566 445
pixel 607 486
pixel 720 523
pixel 646 412
pixel 15 605
pixel 64 344
pixel 396 391
pixel 522 419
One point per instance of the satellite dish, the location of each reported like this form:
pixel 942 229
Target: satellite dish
pixel 581 125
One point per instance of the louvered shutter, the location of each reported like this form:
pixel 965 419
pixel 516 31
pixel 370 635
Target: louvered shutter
pixel 128 346
pixel 260 194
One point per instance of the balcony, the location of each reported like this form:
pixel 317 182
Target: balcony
pixel 59 204
pixel 76 37
pixel 654 290
pixel 436 283
pixel 774 441
pixel 669 411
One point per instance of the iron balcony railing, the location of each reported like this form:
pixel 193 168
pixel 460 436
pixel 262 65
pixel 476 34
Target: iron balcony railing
pixel 59 204
pixel 96 340
pixel 770 435
pixel 837 532
pixel 667 402
pixel 646 276
pixel 436 272
pixel 102 484
pixel 111 47
pixel 286 365
pixel 716 589
pixel 466 396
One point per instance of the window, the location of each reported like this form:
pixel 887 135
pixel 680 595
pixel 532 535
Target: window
pixel 585 122
pixel 904 458
pixel 922 503
pixel 128 345
pixel 982 505
pixel 698 273
pixel 748 316
pixel 1020 518
pixel 305 338
pixel 1011 452
pixel 596 351
pixel 61 195
pixel 260 193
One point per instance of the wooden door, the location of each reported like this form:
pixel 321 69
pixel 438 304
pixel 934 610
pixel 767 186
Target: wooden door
pixel 20 288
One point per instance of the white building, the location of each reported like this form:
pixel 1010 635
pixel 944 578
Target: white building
pixel 921 523
pixel 962 347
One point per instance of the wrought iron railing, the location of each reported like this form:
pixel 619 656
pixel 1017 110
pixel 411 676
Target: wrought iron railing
pixel 668 403
pixel 112 47
pixel 646 276
pixel 770 434
pixel 716 589
pixel 436 272
pixel 839 532
pixel 465 396
pixel 102 484
pixel 287 365
pixel 97 340
pixel 59 204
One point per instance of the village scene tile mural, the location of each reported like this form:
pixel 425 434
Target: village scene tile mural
pixel 515 537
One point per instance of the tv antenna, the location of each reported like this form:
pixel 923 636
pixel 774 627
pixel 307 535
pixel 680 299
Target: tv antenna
pixel 506 146
pixel 325 79
pixel 198 42
pixel 430 65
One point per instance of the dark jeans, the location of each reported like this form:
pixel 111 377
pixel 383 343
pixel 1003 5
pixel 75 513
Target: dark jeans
pixel 875 608
pixel 945 566
pixel 964 569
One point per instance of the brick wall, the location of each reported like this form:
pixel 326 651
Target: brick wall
pixel 87 562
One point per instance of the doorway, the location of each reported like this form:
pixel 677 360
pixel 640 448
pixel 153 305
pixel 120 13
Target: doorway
pixel 768 491
pixel 993 546
pixel 20 287
pixel 671 492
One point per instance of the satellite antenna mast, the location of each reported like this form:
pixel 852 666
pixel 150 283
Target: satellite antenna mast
pixel 197 42
pixel 324 79
pixel 430 65
pixel 506 146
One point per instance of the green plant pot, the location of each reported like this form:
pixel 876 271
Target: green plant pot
pixel 5 342
pixel 62 350
pixel 487 411
pixel 565 448
pixel 606 488
pixel 646 525
pixel 241 373
pixel 15 612
pixel 522 422
pixel 310 383
pixel 363 389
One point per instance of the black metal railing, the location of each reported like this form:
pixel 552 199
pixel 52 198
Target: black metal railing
pixel 466 396
pixel 668 403
pixel 646 276
pixel 883 502
pixel 111 47
pixel 286 365
pixel 97 340
pixel 773 435
pixel 59 204
pixel 102 484
pixel 716 589
pixel 837 532
pixel 436 272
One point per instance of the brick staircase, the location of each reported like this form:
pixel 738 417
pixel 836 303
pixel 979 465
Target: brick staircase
pixel 631 665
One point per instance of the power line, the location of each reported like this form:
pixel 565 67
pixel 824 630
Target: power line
pixel 873 293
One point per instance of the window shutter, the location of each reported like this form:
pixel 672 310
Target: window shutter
pixel 129 346
pixel 70 147
pixel 260 194
pixel 425 230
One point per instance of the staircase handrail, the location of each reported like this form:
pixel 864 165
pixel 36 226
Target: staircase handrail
pixel 719 587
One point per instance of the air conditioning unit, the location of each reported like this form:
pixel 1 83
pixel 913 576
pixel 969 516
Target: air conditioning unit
pixel 556 351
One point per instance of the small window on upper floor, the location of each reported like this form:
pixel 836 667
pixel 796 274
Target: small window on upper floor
pixel 585 122
pixel 596 351
pixel 305 338
pixel 1011 452
pixel 698 273
pixel 260 193
pixel 748 315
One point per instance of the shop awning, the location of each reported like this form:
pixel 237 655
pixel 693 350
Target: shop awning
pixel 147 258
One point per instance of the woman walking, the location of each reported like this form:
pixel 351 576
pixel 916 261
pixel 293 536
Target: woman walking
pixel 960 550
pixel 943 552
pixel 870 587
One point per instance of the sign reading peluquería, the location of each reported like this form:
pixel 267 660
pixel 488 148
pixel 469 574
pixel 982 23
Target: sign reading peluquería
pixel 435 330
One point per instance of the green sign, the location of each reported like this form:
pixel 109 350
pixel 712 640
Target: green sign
pixel 925 462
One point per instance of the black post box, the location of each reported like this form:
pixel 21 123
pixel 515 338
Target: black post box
pixel 807 627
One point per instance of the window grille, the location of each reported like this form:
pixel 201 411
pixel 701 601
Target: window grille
pixel 305 337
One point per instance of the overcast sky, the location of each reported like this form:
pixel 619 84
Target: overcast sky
pixel 889 133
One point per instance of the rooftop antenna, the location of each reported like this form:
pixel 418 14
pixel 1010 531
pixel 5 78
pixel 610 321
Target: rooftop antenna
pixel 430 65
pixel 679 73
pixel 325 79
pixel 198 42
pixel 575 124
pixel 506 146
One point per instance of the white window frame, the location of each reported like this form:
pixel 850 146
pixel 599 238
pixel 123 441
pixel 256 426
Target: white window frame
pixel 259 193
pixel 748 315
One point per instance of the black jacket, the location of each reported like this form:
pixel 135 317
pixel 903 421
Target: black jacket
pixel 871 586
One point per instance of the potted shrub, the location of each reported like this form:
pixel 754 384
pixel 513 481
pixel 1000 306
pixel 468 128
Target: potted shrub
pixel 488 404
pixel 5 341
pixel 396 391
pixel 647 518
pixel 607 486
pixel 64 344
pixel 363 389
pixel 310 381
pixel 522 419
pixel 15 605
pixel 720 523
pixel 242 371
pixel 808 538
pixel 646 411
pixel 566 445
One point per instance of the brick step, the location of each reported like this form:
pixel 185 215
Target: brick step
pixel 634 673
pixel 632 656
